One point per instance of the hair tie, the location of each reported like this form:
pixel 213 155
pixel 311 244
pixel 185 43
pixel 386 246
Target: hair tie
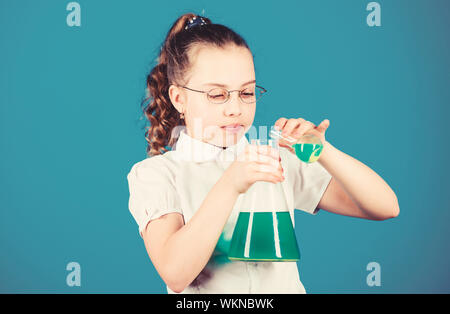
pixel 195 21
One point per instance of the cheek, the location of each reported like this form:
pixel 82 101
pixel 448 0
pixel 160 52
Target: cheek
pixel 252 112
pixel 249 115
pixel 203 119
pixel 197 111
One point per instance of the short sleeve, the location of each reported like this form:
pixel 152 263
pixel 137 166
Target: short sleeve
pixel 152 192
pixel 310 180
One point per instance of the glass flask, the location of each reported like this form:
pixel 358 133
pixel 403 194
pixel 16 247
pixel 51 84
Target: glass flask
pixel 308 148
pixel 264 230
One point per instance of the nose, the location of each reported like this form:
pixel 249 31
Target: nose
pixel 233 105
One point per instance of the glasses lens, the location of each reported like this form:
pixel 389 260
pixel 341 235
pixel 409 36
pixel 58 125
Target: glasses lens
pixel 218 95
pixel 251 94
pixel 248 95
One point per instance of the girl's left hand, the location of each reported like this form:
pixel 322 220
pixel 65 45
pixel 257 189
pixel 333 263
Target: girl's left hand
pixel 295 128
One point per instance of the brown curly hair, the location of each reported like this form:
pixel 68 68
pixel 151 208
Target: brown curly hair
pixel 172 68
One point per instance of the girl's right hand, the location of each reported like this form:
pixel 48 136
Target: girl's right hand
pixel 255 163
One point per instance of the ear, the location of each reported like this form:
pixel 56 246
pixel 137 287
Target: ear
pixel 177 97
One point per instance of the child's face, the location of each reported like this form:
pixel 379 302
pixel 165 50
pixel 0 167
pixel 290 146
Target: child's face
pixel 232 67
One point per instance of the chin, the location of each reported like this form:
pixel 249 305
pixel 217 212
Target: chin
pixel 223 138
pixel 223 141
pixel 232 139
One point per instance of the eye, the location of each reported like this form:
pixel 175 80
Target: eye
pixel 248 93
pixel 218 94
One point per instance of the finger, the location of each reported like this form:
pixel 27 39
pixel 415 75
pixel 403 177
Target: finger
pixel 304 128
pixel 264 159
pixel 323 125
pixel 252 156
pixel 260 158
pixel 279 125
pixel 290 126
pixel 252 148
pixel 277 171
pixel 269 151
pixel 262 153
pixel 268 177
pixel 265 168
pixel 248 151
pixel 274 165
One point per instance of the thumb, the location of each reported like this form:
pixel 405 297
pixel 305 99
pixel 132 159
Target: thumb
pixel 323 125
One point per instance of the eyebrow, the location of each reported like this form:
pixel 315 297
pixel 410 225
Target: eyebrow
pixel 223 85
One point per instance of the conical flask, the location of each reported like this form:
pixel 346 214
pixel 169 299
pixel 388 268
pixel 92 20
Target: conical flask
pixel 264 231
pixel 308 148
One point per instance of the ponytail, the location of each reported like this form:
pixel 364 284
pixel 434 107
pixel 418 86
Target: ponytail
pixel 173 65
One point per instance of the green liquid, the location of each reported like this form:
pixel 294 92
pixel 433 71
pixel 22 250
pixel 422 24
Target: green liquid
pixel 308 152
pixel 265 242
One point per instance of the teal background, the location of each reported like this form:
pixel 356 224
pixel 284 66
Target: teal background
pixel 71 130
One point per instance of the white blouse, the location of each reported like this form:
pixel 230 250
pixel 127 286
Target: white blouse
pixel 178 182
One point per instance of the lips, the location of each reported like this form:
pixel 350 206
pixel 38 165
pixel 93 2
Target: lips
pixel 232 126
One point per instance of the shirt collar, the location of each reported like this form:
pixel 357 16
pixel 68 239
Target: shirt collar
pixel 192 149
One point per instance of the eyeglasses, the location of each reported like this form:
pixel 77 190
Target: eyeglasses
pixel 221 95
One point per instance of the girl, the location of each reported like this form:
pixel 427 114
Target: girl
pixel 183 199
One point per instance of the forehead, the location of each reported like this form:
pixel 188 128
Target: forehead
pixel 231 66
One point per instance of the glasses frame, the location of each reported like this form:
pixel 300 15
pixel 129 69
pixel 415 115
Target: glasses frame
pixel 229 93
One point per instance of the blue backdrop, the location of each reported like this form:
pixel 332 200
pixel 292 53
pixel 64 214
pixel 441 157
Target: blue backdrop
pixel 71 130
